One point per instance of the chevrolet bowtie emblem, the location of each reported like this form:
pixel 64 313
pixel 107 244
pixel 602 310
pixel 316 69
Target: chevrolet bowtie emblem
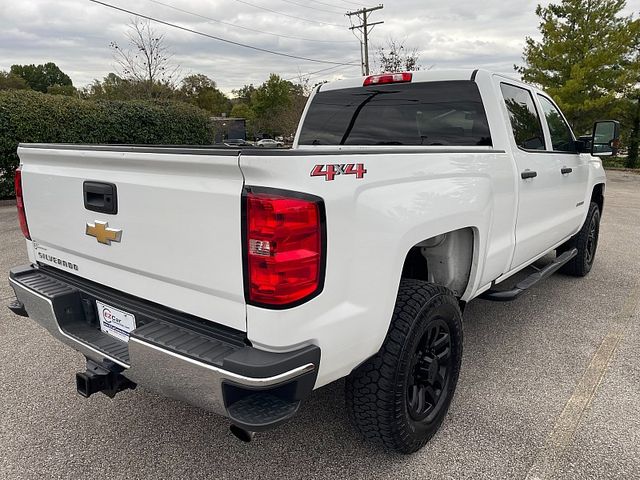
pixel 103 233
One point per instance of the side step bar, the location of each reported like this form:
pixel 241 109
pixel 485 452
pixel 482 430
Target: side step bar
pixel 531 280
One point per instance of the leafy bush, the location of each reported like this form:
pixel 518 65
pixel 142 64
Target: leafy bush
pixel 614 162
pixel 33 117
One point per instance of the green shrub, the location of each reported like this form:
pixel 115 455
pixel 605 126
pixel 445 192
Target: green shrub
pixel 33 117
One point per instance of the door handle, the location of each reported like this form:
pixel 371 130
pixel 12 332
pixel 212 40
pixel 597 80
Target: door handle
pixel 528 174
pixel 566 170
pixel 100 197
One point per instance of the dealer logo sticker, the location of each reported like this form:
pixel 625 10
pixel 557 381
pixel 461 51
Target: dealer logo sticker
pixel 115 322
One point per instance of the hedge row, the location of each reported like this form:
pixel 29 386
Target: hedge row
pixel 27 116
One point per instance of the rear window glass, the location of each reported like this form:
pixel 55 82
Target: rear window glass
pixel 430 113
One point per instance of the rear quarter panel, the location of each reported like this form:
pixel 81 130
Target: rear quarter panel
pixel 404 198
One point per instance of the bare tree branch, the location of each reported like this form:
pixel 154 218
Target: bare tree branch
pixel 147 60
pixel 396 57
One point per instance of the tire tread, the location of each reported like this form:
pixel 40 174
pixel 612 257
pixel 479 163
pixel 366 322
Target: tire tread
pixel 577 266
pixel 372 389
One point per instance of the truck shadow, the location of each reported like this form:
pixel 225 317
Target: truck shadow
pixel 320 442
pixel 500 410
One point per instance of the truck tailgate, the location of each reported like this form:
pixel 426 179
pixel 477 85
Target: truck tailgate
pixel 178 211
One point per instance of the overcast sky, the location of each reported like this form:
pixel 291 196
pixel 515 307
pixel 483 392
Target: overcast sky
pixel 75 34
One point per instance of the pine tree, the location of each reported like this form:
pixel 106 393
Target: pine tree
pixel 587 58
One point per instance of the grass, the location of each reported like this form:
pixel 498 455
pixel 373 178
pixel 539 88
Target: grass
pixel 617 163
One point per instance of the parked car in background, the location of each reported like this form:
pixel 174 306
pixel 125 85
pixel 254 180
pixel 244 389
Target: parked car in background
pixel 237 142
pixel 269 143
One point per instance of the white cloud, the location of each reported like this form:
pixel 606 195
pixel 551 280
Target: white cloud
pixel 75 34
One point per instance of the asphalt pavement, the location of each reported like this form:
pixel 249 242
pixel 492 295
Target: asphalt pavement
pixel 550 388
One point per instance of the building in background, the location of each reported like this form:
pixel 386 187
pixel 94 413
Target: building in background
pixel 229 127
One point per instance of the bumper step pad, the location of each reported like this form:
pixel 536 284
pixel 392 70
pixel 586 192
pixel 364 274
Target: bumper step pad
pixel 185 342
pixel 73 300
pixel 261 409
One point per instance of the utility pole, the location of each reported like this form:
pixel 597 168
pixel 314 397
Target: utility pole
pixel 365 28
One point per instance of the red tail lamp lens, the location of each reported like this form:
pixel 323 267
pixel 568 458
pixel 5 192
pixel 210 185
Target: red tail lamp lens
pixel 284 248
pixel 22 216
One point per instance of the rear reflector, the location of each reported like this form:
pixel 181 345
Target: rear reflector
pixel 22 216
pixel 388 78
pixel 284 247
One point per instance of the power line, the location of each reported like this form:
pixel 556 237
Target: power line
pixel 312 8
pixel 246 28
pixel 351 3
pixel 287 15
pixel 365 28
pixel 259 49
pixel 317 74
pixel 312 74
pixel 328 4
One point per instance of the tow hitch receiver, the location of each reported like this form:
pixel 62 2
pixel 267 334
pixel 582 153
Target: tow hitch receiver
pixel 97 378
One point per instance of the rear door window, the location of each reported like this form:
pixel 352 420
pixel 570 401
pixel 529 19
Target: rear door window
pixel 525 121
pixel 561 135
pixel 430 113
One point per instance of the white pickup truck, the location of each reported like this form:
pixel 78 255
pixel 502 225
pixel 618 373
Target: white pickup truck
pixel 240 280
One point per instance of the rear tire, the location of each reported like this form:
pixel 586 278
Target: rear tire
pixel 586 241
pixel 400 396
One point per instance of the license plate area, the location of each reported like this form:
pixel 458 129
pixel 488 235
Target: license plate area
pixel 115 322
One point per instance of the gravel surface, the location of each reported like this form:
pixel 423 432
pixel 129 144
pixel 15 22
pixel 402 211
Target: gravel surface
pixel 523 363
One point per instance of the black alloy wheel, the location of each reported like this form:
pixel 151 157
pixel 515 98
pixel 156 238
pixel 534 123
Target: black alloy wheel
pixel 430 374
pixel 400 396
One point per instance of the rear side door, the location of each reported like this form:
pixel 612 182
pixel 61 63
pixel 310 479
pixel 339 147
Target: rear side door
pixel 541 217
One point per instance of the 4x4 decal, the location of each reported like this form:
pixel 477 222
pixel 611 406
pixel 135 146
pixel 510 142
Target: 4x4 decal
pixel 329 172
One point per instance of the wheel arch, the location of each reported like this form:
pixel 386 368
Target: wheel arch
pixel 597 195
pixel 447 259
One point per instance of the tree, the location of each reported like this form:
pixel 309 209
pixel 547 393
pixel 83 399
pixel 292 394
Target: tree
pixel 202 91
pixel 585 58
pixel 396 57
pixel 244 94
pixel 631 117
pixel 11 81
pixel 41 77
pixel 114 87
pixel 67 90
pixel 147 61
pixel 278 105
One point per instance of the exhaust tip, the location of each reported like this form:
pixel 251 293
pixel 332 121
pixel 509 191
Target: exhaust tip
pixel 242 434
pixel 17 307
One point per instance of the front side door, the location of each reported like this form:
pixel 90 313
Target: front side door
pixel 541 214
pixel 574 169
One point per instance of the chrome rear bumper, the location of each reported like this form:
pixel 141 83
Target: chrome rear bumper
pixel 253 376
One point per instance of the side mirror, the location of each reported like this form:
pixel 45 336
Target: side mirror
pixel 606 138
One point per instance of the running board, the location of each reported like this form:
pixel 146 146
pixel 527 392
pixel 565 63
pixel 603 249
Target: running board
pixel 531 280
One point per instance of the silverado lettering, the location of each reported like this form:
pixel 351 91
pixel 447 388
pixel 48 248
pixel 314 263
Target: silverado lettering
pixel 58 261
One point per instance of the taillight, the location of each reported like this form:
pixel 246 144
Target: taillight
pixel 284 247
pixel 388 78
pixel 22 216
